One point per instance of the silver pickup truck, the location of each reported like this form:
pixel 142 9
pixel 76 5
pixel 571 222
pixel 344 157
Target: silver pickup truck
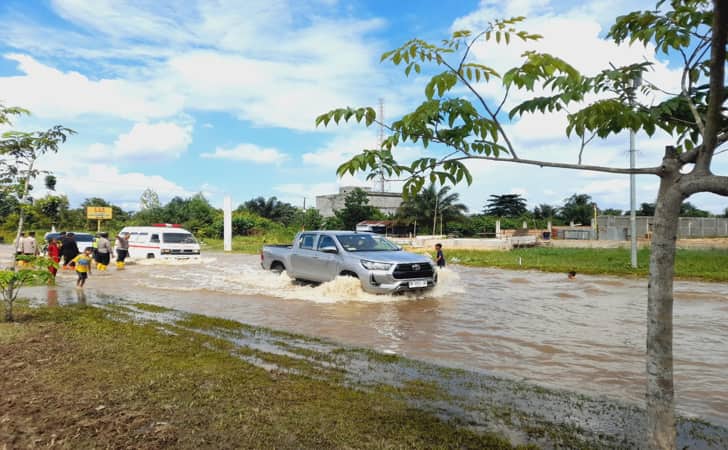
pixel 380 265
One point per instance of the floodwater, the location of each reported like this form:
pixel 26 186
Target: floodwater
pixel 585 335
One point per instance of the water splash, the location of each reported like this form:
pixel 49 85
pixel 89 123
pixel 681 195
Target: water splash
pixel 249 279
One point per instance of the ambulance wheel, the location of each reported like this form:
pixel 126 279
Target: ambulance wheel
pixel 150 256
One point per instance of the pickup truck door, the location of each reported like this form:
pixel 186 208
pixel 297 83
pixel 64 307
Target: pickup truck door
pixel 324 266
pixel 302 255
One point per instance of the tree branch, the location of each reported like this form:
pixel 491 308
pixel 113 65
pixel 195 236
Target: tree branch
pixel 467 49
pixel 716 86
pixel 604 169
pixel 485 106
pixel 705 183
pixel 691 156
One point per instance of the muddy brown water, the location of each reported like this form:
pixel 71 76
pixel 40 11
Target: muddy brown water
pixel 585 335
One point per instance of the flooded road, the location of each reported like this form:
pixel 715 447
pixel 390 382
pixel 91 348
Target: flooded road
pixel 585 335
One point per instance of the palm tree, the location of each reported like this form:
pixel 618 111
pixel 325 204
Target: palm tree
pixel 430 204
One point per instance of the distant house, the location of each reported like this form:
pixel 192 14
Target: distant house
pixel 386 202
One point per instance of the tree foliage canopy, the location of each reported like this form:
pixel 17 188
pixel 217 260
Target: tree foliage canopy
pixel 506 205
pixel 356 208
pixel 431 203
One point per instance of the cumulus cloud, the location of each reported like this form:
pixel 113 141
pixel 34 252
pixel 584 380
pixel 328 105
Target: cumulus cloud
pixel 273 63
pixel 248 152
pixel 52 93
pixel 80 180
pixel 164 139
pixel 342 147
pixel 145 141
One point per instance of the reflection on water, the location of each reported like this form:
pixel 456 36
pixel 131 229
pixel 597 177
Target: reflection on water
pixel 585 335
pixel 81 297
pixel 52 297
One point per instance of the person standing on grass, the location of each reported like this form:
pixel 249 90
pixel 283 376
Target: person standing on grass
pixel 440 257
pixel 54 253
pixel 83 266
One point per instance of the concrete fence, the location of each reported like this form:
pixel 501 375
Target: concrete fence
pixel 617 228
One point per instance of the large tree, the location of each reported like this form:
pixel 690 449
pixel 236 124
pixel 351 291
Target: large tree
pixel 356 208
pixel 19 153
pixel 432 205
pixel 579 208
pixel 506 205
pixel 457 114
pixel 271 208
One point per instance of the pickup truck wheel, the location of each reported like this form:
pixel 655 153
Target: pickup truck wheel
pixel 349 274
pixel 277 267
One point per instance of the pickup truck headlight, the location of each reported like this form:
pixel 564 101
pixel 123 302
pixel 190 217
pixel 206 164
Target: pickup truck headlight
pixel 373 265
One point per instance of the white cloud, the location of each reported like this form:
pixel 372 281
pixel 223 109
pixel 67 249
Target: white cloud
pixel 79 180
pixel 248 152
pixel 343 146
pixel 51 93
pixel 145 141
pixel 163 139
pixel 273 63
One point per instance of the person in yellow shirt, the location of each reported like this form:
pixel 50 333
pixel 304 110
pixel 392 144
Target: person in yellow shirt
pixel 83 266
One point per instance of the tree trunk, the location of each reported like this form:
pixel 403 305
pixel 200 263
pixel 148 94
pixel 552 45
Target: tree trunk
pixel 21 216
pixel 660 390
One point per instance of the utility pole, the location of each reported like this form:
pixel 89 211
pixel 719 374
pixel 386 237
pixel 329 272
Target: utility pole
pixel 434 216
pixel 632 182
pixel 381 142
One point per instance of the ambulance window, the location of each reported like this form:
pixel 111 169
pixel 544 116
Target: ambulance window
pixel 154 238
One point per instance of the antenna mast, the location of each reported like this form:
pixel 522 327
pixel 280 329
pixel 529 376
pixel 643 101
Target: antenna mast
pixel 381 142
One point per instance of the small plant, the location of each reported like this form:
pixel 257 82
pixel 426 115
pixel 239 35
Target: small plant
pixel 29 271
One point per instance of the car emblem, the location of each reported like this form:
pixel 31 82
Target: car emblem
pixel 416 267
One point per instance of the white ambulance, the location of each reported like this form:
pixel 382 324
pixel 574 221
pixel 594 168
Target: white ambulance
pixel 161 240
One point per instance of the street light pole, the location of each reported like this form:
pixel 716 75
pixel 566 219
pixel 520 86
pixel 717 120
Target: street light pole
pixel 632 182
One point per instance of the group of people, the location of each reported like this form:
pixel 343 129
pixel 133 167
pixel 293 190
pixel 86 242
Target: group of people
pixel 26 245
pixel 66 248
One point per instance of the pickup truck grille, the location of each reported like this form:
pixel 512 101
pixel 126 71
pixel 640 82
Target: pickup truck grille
pixel 416 270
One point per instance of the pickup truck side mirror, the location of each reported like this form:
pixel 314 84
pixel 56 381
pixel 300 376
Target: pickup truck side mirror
pixel 330 249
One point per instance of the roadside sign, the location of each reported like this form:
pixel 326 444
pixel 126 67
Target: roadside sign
pixel 98 213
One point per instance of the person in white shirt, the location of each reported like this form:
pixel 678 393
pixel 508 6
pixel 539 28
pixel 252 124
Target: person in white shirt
pixel 29 246
pixel 19 244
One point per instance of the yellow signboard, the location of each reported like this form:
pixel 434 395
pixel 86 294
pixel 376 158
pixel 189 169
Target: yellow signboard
pixel 98 212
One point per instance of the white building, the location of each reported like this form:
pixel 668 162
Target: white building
pixel 386 202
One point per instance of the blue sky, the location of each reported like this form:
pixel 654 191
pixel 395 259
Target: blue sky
pixel 221 97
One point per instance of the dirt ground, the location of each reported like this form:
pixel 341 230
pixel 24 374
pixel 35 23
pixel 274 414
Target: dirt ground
pixel 35 413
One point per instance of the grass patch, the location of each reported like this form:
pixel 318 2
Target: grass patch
pixel 151 308
pixel 79 379
pixel 249 244
pixel 706 265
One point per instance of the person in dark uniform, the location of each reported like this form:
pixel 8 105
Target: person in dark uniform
pixel 69 249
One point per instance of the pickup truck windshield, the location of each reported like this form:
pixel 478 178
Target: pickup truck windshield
pixel 365 243
pixel 178 238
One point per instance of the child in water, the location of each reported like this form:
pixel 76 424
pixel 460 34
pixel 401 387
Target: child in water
pixel 440 258
pixel 83 266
